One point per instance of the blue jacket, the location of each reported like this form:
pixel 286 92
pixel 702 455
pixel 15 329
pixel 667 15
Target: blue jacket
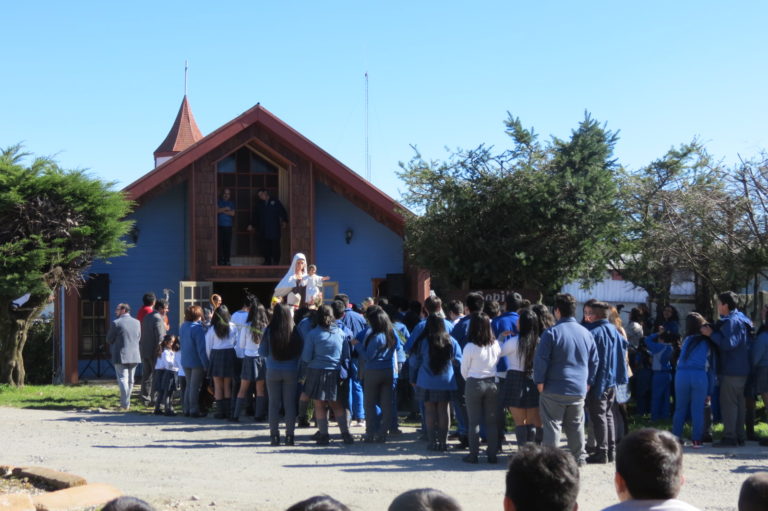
pixel 760 350
pixel 611 368
pixel 376 355
pixel 460 330
pixel 325 349
pixel 503 323
pixel 425 378
pixel 192 340
pixel 566 359
pixel 417 331
pixel 661 353
pixel 354 321
pixel 732 338
pixel 695 354
pixel 271 362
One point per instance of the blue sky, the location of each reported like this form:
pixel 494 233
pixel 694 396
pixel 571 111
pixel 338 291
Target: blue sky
pixel 98 84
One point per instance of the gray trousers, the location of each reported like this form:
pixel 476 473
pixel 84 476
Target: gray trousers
pixel 125 382
pixel 190 404
pixel 282 386
pixel 601 416
pixel 481 396
pixel 147 366
pixel 377 389
pixel 560 412
pixel 732 406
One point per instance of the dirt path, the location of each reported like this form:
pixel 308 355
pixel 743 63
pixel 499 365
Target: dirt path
pixel 179 463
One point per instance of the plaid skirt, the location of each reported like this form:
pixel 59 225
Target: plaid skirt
pixel 222 363
pixel 254 369
pixel 519 391
pixel 435 396
pixel 323 384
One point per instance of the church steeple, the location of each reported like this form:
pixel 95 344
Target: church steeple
pixel 183 134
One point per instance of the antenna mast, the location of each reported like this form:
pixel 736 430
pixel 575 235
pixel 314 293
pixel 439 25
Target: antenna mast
pixel 186 72
pixel 367 151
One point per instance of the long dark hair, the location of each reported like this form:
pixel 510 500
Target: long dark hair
pixel 282 344
pixel 528 337
pixel 480 329
pixel 546 319
pixel 324 317
pixel 380 324
pixel 257 319
pixel 440 345
pixel 220 321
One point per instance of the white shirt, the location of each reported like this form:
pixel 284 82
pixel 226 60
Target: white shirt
pixel 167 361
pixel 509 350
pixel 247 341
pixel 239 318
pixel 213 342
pixel 480 361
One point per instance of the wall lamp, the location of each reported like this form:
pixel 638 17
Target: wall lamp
pixel 134 234
pixel 348 235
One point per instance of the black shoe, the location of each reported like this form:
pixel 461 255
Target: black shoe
pixel 347 438
pixel 157 411
pixel 470 458
pixel 610 457
pixel 303 422
pixel 463 443
pixel 726 442
pixel 170 413
pixel 368 439
pixel 380 439
pixel 316 435
pixel 323 439
pixel 274 440
pixel 198 415
pixel 396 431
pixel 741 442
pixel 288 439
pixel 597 458
pixel 233 419
pixel 493 460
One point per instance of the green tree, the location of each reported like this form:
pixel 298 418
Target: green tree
pixel 682 220
pixel 53 224
pixel 534 216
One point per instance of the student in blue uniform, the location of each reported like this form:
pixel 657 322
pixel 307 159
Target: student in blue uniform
pixel 692 382
pixel 436 379
pixel 661 384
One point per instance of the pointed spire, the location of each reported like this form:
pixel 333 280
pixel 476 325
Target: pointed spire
pixel 183 134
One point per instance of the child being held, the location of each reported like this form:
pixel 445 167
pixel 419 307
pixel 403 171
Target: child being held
pixel 314 286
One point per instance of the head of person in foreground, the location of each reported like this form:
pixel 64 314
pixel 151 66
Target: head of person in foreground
pixel 541 477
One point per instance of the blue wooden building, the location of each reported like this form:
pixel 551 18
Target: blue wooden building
pixel 351 230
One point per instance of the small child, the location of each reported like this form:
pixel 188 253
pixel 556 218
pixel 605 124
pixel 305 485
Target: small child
pixel 164 376
pixel 314 286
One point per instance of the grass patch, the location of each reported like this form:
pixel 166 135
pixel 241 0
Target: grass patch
pixel 60 397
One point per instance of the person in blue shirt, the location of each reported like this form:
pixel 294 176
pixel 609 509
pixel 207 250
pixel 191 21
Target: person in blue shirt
pixel 660 346
pixel 194 359
pixel 378 353
pixel 670 320
pixel 692 382
pixel 225 214
pixel 326 353
pixel 281 348
pixel 760 361
pixel 354 323
pixel 436 385
pixel 731 334
pixel 564 366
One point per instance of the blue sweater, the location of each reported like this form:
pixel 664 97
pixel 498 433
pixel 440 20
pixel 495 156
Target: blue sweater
pixel 271 362
pixel 503 323
pixel 417 331
pixel 760 350
pixel 376 355
pixel 425 378
pixel 192 340
pixel 325 349
pixel 732 338
pixel 611 368
pixel 661 353
pixel 695 354
pixel 566 359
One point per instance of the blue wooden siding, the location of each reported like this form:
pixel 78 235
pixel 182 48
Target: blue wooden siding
pixel 159 259
pixel 373 252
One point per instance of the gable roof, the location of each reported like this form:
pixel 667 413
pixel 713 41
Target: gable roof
pixel 183 134
pixel 351 184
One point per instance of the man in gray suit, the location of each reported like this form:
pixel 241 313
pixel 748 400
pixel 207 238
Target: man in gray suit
pixel 152 333
pixel 123 338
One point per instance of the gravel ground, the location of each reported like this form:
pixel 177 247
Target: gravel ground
pixel 179 463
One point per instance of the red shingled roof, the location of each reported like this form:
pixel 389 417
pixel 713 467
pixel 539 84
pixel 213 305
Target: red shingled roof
pixel 353 185
pixel 183 134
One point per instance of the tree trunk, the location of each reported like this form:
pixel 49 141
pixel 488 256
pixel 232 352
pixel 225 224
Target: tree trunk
pixel 14 327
